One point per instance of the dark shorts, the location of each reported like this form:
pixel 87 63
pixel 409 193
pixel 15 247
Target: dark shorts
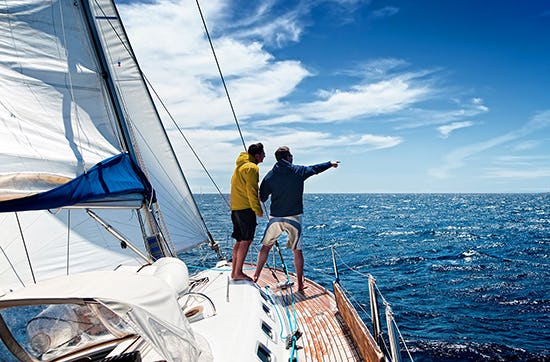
pixel 244 224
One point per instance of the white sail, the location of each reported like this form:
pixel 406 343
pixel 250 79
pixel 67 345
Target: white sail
pixel 148 134
pixel 50 246
pixel 58 120
pixel 54 116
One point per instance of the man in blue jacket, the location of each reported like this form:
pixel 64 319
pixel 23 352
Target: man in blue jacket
pixel 285 184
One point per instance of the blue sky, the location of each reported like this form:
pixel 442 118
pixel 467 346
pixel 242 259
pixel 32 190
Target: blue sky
pixel 410 96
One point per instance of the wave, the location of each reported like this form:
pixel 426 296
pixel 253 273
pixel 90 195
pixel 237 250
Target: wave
pixel 319 226
pixel 423 351
pixel 396 233
pixel 469 254
pixel 525 302
pixel 460 268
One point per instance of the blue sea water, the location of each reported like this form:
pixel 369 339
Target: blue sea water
pixel 467 275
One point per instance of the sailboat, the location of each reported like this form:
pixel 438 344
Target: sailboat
pixel 95 209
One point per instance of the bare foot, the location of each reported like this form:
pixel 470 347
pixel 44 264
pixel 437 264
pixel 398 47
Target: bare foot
pixel 302 288
pixel 255 279
pixel 242 277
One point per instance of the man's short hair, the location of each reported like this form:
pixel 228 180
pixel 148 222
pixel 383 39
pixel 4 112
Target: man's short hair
pixel 282 152
pixel 255 149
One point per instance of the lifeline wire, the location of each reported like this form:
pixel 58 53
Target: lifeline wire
pixel 384 301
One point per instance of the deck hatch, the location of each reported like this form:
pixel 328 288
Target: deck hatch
pixel 267 330
pixel 267 311
pixel 264 354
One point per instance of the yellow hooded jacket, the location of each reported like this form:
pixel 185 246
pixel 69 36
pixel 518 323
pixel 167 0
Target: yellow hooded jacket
pixel 244 184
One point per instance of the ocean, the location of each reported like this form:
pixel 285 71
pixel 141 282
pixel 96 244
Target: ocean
pixel 467 275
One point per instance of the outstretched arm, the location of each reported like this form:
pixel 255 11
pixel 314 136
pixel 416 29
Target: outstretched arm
pixel 321 167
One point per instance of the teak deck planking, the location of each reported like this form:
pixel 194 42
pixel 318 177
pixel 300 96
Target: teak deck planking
pixel 325 337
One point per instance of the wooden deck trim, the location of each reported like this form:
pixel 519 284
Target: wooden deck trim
pixel 325 335
pixel 366 345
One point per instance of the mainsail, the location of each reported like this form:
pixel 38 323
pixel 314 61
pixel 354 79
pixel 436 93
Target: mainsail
pixel 71 97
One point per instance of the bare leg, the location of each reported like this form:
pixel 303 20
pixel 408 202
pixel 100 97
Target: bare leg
pixel 234 259
pixel 239 251
pixel 262 258
pixel 299 266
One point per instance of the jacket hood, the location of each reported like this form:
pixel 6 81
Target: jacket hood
pixel 282 167
pixel 243 158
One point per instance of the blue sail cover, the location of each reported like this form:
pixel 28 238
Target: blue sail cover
pixel 116 180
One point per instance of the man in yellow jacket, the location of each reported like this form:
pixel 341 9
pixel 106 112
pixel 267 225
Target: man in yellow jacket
pixel 245 206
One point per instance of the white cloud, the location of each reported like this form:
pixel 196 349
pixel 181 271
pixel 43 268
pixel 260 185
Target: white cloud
pixel 420 117
pixel 519 167
pixel 478 104
pixel 386 96
pixel 457 158
pixel 517 174
pixel 218 149
pixel 378 68
pixel 180 63
pixel 169 40
pixel 273 31
pixel 508 160
pixel 359 101
pixel 446 130
pixel 385 12
pixel 526 145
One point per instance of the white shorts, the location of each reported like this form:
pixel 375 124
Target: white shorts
pixel 291 225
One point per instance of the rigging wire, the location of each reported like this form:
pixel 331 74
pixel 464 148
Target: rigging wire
pixel 165 108
pixel 169 114
pixel 221 74
pixel 68 237
pixel 12 266
pixel 25 246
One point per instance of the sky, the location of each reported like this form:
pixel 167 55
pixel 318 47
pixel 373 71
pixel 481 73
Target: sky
pixel 410 96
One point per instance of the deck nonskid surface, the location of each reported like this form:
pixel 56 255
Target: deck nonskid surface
pixel 324 335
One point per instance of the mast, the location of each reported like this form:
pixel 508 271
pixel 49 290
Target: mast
pixel 72 95
pixel 164 160
pixel 124 129
pixel 213 244
pixel 119 114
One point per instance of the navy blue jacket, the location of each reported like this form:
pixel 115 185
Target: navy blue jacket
pixel 285 184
